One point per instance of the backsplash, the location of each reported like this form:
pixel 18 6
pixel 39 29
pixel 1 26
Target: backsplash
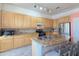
pixel 31 30
pixel 25 31
pixel 28 31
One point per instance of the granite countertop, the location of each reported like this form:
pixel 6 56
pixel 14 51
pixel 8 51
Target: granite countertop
pixel 53 41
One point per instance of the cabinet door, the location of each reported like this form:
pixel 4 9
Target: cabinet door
pixel 18 41
pixel 6 44
pixel 26 23
pixel 33 22
pixel 46 22
pixel 55 24
pixel 18 21
pixel 7 20
pixel 0 15
pixel 50 23
pixel 28 40
pixel 0 20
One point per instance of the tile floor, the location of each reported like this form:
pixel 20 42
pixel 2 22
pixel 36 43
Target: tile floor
pixel 27 51
pixel 23 51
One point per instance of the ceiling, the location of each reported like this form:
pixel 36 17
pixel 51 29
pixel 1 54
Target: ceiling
pixel 54 7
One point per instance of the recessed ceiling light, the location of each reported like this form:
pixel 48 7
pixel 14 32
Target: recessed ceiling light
pixel 35 6
pixel 41 8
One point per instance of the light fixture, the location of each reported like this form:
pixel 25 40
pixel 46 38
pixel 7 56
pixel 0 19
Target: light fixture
pixel 57 7
pixel 41 8
pixel 35 6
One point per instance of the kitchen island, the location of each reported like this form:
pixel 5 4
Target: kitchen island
pixel 39 47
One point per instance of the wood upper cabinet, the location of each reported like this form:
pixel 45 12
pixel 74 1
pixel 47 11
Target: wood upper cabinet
pixel 27 22
pixel 0 20
pixel 18 20
pixel 6 43
pixel 63 19
pixel 48 23
pixel 15 20
pixel 12 20
pixel 7 20
pixel 34 21
pixel 55 24
pixel 0 15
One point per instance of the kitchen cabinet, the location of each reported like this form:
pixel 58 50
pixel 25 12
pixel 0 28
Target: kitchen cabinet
pixel 26 21
pixel 6 43
pixel 63 19
pixel 12 20
pixel 47 23
pixel 0 20
pixel 55 24
pixel 22 40
pixel 18 41
pixel 18 20
pixel 0 14
pixel 8 20
pixel 34 22
pixel 59 21
pixel 51 23
pixel 27 40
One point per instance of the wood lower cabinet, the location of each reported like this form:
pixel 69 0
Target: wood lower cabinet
pixel 27 40
pixel 18 41
pixel 6 43
pixel 21 40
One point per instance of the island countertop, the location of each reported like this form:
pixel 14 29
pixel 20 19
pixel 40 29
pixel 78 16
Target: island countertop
pixel 53 41
pixel 41 47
